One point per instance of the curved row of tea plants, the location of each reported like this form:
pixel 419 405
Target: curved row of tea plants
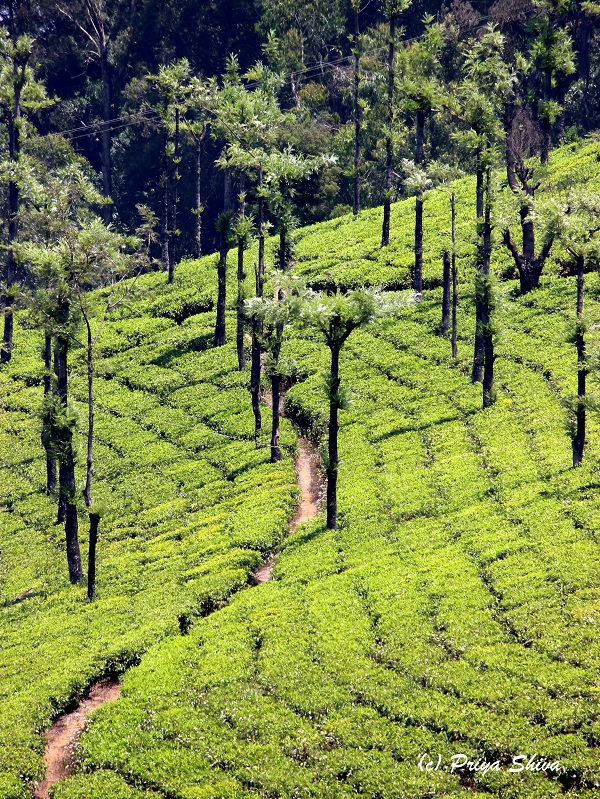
pixel 191 504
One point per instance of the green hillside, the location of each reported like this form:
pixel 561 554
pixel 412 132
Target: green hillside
pixel 455 610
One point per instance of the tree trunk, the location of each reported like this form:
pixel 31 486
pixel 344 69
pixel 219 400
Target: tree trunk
pixel 454 278
pixel 91 575
pixel 241 277
pixel 257 326
pixel 67 456
pixel 333 455
pixel 275 394
pixel 14 147
pixel 579 439
pixel 418 275
pixel 106 133
pixel 198 235
pixel 47 438
pixel 87 493
pixel 164 216
pixel 61 513
pixel 478 345
pixel 487 300
pixel 220 332
pixel 357 116
pixel 545 122
pixel 446 295
pixel 172 237
pixel 387 200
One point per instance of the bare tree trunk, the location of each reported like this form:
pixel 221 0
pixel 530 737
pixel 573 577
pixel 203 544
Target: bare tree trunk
pixel 89 470
pixel 478 344
pixel 13 211
pixel 545 123
pixel 164 216
pixel 446 295
pixel 241 277
pixel 91 575
pixel 106 132
pixel 67 456
pixel 257 326
pixel 454 278
pixel 172 233
pixel 357 116
pixel 47 438
pixel 220 329
pixel 579 438
pixel 487 300
pixel 276 395
pixel 333 455
pixel 199 197
pixel 418 276
pixel 61 513
pixel 387 200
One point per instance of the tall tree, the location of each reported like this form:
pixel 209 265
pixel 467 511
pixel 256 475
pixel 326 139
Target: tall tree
pixel 486 88
pixel 335 317
pixel 422 93
pixel 552 59
pixel 107 27
pixel 58 209
pixel 174 87
pixel 393 9
pixel 19 92
pixel 578 229
pixel 250 122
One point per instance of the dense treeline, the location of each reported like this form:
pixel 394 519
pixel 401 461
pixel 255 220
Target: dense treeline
pixel 95 57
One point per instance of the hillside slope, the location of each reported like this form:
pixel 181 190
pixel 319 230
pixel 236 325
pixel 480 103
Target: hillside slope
pixel 456 609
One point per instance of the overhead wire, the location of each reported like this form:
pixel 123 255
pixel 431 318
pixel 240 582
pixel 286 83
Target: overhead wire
pixel 118 123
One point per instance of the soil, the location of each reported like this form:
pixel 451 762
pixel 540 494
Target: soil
pixel 307 475
pixel 62 737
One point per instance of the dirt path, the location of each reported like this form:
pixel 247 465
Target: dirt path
pixel 62 737
pixel 307 474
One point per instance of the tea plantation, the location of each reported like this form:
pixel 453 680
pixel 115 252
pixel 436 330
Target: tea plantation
pixel 455 611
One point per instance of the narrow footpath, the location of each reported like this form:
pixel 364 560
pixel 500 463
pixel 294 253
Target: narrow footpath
pixel 307 476
pixel 62 737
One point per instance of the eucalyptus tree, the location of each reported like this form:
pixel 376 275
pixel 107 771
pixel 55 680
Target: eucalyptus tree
pixel 107 27
pixel 202 97
pixel 422 93
pixel 335 317
pixel 224 228
pixel 552 58
pixel 69 251
pixel 578 229
pixel 20 92
pixel 174 87
pixel 393 9
pixel 250 121
pixel 486 89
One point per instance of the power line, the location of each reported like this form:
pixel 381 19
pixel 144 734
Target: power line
pixel 142 116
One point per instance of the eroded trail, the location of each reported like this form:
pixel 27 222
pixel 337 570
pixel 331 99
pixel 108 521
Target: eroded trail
pixel 62 737
pixel 307 474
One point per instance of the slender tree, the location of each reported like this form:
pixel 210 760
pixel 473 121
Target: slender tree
pixel 335 317
pixel 107 27
pixel 224 225
pixel 174 87
pixel 393 9
pixel 486 89
pixel 578 229
pixel 20 92
pixel 422 93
